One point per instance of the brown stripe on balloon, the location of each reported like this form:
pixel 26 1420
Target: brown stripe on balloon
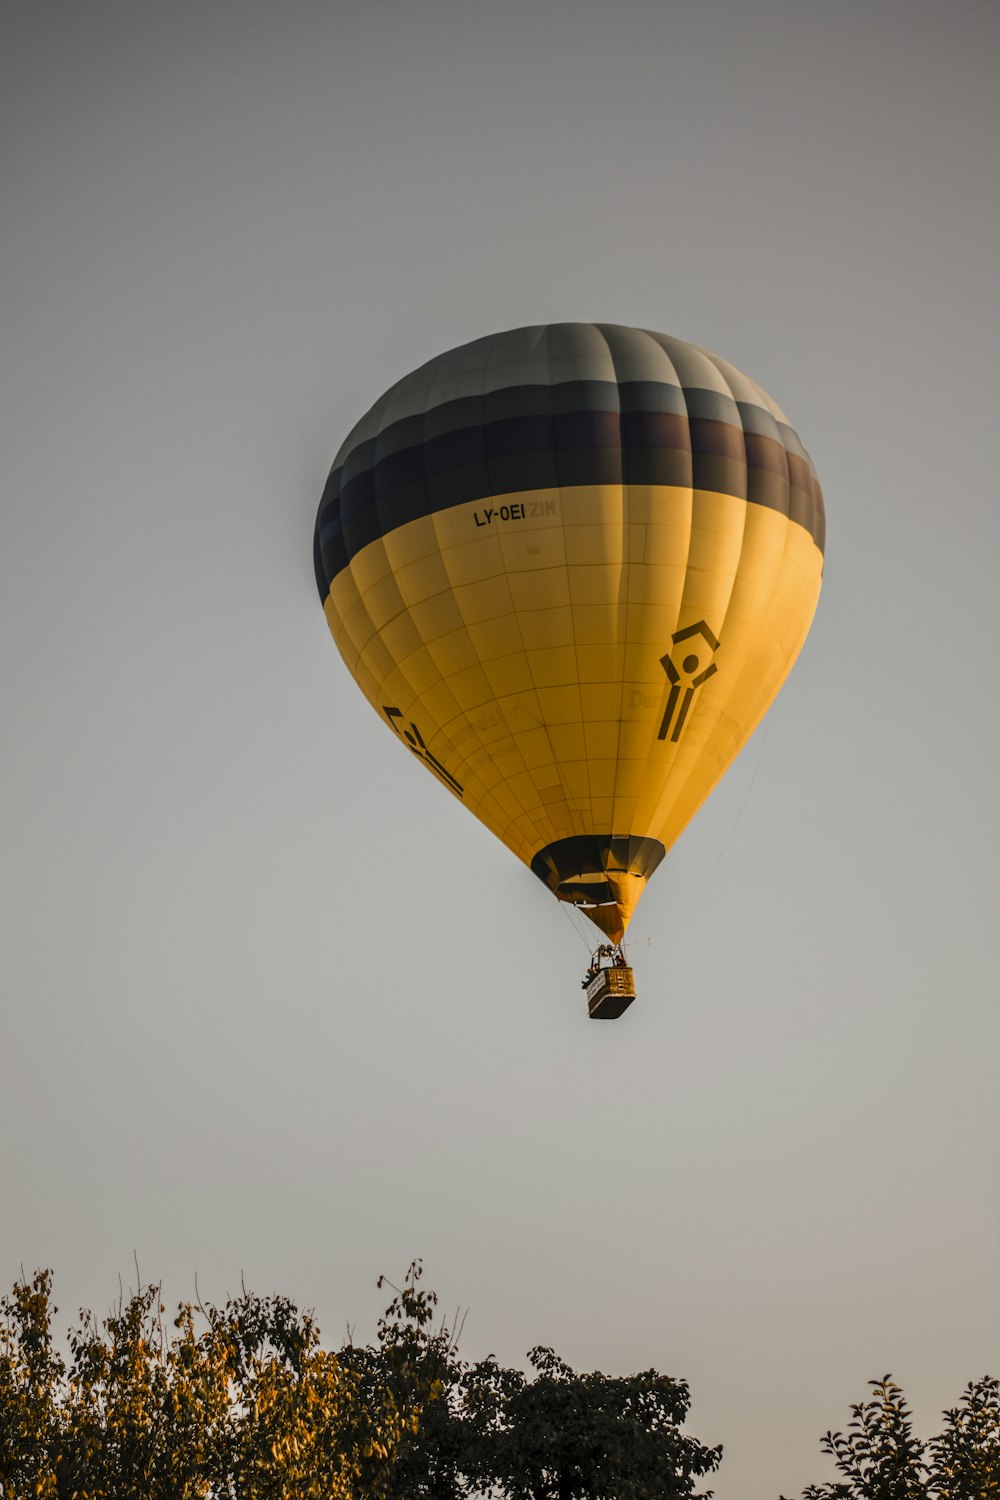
pixel 431 449
pixel 765 453
pixel 717 439
pixel 368 497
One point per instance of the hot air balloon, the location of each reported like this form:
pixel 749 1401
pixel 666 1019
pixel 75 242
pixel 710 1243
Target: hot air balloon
pixel 570 566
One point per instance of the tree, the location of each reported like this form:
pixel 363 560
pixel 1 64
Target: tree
pixel 232 1403
pixel 881 1459
pixel 966 1457
pixel 414 1368
pixel 484 1429
pixel 31 1376
pixel 570 1436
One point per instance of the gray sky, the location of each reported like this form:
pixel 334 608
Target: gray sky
pixel 271 1002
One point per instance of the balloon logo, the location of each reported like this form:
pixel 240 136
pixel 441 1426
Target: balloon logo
pixel 570 566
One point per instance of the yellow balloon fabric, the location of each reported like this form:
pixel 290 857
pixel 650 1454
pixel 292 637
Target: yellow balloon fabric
pixel 570 566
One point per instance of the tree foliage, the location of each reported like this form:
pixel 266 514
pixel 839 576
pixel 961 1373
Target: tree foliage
pixel 242 1402
pixel 880 1458
pixel 569 1436
pixel 238 1401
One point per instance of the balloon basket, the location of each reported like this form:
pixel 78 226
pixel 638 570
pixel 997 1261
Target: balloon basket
pixel 609 985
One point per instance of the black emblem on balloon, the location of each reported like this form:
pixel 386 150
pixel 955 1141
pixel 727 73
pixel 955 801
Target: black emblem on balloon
pixel 414 740
pixel 687 668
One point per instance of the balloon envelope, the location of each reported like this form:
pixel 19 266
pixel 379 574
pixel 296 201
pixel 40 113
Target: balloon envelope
pixel 570 566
